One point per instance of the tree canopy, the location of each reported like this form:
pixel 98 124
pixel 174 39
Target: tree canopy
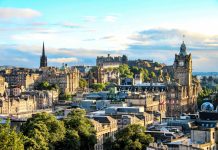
pixel 205 93
pixel 83 83
pixel 132 137
pixel 80 132
pixel 125 71
pixel 45 85
pixel 9 138
pixel 42 131
pixel 65 96
pixel 98 86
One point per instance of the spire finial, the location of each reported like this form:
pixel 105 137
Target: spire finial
pixel 183 47
pixel 43 49
pixel 183 37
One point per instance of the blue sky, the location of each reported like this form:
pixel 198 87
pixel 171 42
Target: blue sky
pixel 76 31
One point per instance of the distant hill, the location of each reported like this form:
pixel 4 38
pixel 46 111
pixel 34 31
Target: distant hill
pixel 205 73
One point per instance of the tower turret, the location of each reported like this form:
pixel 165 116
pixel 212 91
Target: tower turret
pixel 183 49
pixel 183 66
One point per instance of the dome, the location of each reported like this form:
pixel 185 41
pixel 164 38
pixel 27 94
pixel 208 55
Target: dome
pixel 207 106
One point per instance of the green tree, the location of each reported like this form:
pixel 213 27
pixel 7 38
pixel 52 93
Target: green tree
pixel 83 83
pixel 125 71
pixel 205 93
pixel 156 64
pixel 112 93
pixel 43 131
pixel 80 132
pixel 46 86
pixel 65 96
pixel 37 138
pixel 132 137
pixel 153 75
pixel 9 138
pixel 145 74
pixel 98 86
pixel 124 59
pixel 135 70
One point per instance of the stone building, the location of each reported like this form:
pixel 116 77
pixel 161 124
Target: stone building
pixel 27 103
pixel 17 106
pixel 3 85
pixel 204 131
pixel 18 77
pixel 105 75
pixel 66 78
pixel 182 93
pixel 108 61
pixel 105 127
pixel 129 115
pixel 151 101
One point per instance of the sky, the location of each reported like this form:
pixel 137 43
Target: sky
pixel 77 31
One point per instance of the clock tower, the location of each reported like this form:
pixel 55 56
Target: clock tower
pixel 183 92
pixel 183 67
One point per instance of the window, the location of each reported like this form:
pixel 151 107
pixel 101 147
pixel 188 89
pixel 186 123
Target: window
pixel 173 95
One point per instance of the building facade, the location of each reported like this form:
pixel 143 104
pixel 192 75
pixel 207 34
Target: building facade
pixel 105 127
pixel 66 78
pixel 3 85
pixel 27 103
pixel 20 77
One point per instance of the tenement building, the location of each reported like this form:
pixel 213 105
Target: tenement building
pixel 3 85
pixel 105 127
pixel 27 103
pixel 20 77
pixel 66 78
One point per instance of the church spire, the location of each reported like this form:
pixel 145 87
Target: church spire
pixel 43 49
pixel 43 58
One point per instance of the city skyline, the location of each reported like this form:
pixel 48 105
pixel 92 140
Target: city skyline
pixel 78 32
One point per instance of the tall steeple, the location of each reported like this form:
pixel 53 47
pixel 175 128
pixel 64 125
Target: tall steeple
pixel 43 58
pixel 43 49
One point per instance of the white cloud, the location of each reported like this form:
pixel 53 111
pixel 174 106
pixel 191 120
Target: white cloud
pixel 157 44
pixel 21 59
pixel 10 13
pixel 107 37
pixel 110 18
pixel 90 18
pixel 63 60
pixel 71 25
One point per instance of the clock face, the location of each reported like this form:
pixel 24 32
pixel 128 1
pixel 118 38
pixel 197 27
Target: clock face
pixel 181 63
